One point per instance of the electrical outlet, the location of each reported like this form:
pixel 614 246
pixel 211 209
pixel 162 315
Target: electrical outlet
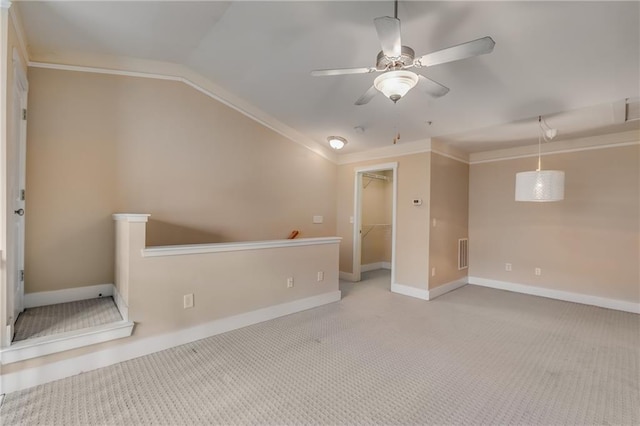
pixel 538 272
pixel 320 276
pixel 289 282
pixel 188 300
pixel 507 267
pixel 433 271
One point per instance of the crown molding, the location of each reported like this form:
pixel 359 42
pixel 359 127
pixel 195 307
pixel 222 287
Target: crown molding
pixel 452 157
pixel 611 140
pixel 409 148
pixel 133 67
pixel 397 150
pixel 445 150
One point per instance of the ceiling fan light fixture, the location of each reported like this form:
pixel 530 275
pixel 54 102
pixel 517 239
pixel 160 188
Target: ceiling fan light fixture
pixel 395 84
pixel 337 142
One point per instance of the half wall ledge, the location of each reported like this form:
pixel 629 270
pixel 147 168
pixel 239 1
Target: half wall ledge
pixel 236 246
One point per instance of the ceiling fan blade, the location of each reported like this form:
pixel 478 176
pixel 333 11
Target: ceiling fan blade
pixel 368 95
pixel 431 87
pixel 477 47
pixel 342 71
pixel 389 34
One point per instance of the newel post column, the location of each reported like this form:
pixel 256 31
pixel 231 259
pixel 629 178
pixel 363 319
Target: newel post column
pixel 130 240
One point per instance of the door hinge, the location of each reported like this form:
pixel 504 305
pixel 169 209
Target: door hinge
pixel 22 194
pixel 22 275
pixel 24 113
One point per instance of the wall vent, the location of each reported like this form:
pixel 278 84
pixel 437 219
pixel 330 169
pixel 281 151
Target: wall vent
pixel 463 253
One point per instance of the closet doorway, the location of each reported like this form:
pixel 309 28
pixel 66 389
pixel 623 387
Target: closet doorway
pixel 374 228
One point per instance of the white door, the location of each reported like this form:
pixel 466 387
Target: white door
pixel 16 194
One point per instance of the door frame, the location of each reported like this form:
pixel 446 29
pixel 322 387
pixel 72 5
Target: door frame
pixel 357 216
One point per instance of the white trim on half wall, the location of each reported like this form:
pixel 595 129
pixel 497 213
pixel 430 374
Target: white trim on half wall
pixel 236 246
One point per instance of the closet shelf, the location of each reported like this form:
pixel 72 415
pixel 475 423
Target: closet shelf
pixel 372 177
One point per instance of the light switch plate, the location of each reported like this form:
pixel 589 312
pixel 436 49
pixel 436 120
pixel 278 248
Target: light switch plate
pixel 318 219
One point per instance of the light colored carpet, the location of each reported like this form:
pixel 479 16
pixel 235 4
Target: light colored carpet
pixel 473 356
pixel 63 317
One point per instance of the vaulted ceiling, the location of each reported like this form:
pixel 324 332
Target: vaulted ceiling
pixel 570 61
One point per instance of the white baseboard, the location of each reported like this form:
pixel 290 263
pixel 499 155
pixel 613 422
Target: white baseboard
pixel 58 370
pixel 446 288
pixel 585 299
pixel 44 298
pixel 374 266
pixel 347 276
pixel 406 290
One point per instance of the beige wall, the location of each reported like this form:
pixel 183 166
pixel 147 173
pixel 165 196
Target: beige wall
pixel 587 244
pixel 8 150
pixel 99 144
pixel 450 209
pixel 376 219
pixel 412 232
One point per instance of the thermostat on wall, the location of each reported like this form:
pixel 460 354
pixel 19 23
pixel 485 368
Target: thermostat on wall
pixel 417 201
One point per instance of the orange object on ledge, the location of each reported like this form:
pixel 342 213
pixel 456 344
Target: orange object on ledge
pixel 293 234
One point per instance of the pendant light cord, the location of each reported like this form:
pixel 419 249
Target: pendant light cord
pixel 539 143
pixel 396 9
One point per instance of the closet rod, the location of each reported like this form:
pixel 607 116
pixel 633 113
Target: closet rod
pixel 375 176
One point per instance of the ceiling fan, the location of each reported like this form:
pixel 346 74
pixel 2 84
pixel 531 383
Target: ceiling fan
pixel 394 60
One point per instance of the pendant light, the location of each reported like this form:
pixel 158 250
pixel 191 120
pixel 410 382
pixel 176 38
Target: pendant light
pixel 541 185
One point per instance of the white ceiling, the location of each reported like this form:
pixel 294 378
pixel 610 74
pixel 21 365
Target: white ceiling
pixel 568 60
